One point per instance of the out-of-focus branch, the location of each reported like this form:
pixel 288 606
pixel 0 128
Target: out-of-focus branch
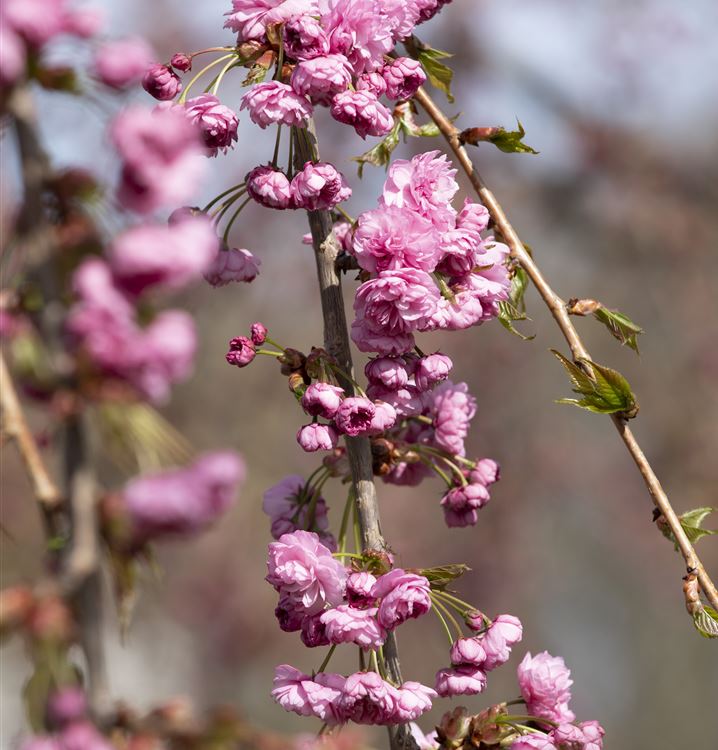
pixel 558 310
pixel 336 342
pixel 15 427
pixel 79 576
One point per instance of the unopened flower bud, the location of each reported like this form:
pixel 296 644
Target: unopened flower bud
pixel 241 351
pixel 317 437
pixel 258 332
pixel 322 400
pixel 181 61
pixel 161 82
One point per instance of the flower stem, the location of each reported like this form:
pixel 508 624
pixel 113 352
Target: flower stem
pixel 215 85
pixel 219 197
pixel 183 96
pixel 276 146
pixel 329 655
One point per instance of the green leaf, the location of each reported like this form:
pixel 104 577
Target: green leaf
pixel 706 622
pixel 514 308
pixel 692 523
pixel 608 392
pixel 620 326
pixel 439 75
pixel 441 576
pixel 508 141
pixel 380 155
pixel 35 694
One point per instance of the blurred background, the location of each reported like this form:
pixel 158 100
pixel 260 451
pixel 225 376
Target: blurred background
pixel 621 205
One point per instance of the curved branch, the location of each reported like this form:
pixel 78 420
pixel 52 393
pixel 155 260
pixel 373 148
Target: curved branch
pixel 557 308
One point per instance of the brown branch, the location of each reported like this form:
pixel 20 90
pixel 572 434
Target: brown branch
pixel 557 308
pixel 16 427
pixel 336 342
pixel 79 576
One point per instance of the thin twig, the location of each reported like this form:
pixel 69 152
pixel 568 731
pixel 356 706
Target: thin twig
pixel 558 310
pixel 336 342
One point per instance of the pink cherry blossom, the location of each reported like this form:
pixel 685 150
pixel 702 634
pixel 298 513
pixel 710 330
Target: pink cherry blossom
pixel 217 123
pixel 402 596
pixel 120 63
pixel 304 38
pixel 431 370
pixel 13 55
pixel 503 633
pixel 160 152
pixel 452 408
pixel 426 184
pixel 390 307
pixel 384 418
pixel 545 684
pixel 403 77
pixel 183 501
pixel 322 399
pixel 367 699
pixel 345 624
pixel 391 372
pixel 301 567
pixel 160 255
pixel 412 701
pixel 250 18
pixel 269 187
pixel 373 82
pixel 393 238
pixel 37 21
pixel 319 187
pixel 486 472
pixel 66 705
pixel 317 437
pixel 468 651
pixel 354 415
pixel 289 692
pixel 181 61
pixel 473 218
pixel 461 503
pixel 359 588
pixel 359 30
pixel 320 78
pixel 258 333
pixel 363 111
pixel 462 680
pixel 232 264
pixel 313 632
pixel 274 102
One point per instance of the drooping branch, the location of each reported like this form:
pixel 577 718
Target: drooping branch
pixel 78 577
pixel 558 310
pixel 336 342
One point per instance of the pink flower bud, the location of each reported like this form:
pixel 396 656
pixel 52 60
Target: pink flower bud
pixel 241 351
pixel 317 437
pixel 322 400
pixel 319 187
pixel 463 680
pixel 269 187
pixel 403 77
pixel 161 82
pixel 473 217
pixel 391 372
pixel 487 472
pixel 431 370
pixel 461 503
pixel 275 102
pixel 258 332
pixel 468 651
pixel 181 61
pixel 217 123
pixel 235 264
pixel 314 632
pixel 354 416
pixel 363 111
